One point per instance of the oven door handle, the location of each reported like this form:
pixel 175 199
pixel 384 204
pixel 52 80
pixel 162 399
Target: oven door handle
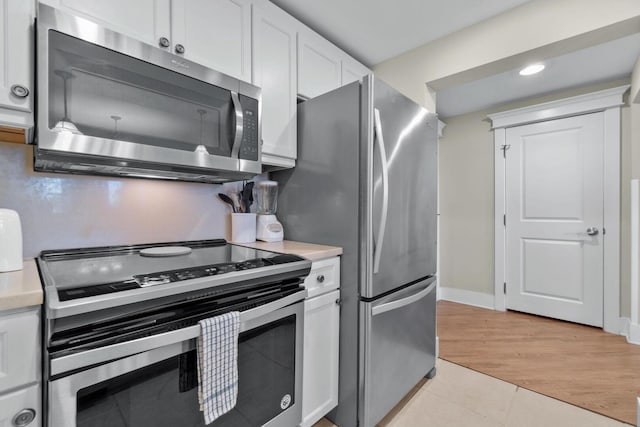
pixel 116 351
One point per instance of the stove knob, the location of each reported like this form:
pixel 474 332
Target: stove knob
pixel 24 417
pixel 320 278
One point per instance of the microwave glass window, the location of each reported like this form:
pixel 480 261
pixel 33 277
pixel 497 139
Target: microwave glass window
pixel 165 394
pixel 102 93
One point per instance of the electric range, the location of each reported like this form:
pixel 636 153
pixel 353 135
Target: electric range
pixel 120 330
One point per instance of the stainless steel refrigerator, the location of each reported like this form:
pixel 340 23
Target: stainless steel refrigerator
pixel 365 180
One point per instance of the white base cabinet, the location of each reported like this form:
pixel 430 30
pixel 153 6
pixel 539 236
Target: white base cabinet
pixel 321 357
pixel 17 407
pixel 321 342
pixel 20 360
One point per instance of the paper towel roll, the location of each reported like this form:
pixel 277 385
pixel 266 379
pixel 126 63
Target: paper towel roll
pixel 10 241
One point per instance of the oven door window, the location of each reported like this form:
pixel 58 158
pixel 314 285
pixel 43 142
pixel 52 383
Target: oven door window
pixel 165 394
pixel 98 92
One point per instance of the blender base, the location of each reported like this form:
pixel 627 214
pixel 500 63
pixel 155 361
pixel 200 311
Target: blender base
pixel 269 229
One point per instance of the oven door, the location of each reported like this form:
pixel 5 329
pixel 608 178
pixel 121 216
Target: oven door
pixel 125 104
pixel 158 387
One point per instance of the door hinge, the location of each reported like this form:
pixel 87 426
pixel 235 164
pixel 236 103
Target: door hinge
pixel 504 219
pixel 504 148
pixel 504 288
pixel 604 231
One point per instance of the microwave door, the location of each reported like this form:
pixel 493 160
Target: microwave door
pixel 124 105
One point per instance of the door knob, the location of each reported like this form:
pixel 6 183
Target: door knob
pixel 593 231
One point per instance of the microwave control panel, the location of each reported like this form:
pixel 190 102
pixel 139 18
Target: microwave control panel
pixel 250 149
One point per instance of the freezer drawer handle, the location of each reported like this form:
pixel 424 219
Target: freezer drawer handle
pixel 385 191
pixel 402 302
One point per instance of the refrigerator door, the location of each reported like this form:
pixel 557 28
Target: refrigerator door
pixel 403 189
pixel 399 347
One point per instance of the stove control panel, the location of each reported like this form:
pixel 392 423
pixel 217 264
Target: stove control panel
pixel 161 278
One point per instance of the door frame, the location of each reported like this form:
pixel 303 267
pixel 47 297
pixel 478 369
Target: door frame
pixel 609 102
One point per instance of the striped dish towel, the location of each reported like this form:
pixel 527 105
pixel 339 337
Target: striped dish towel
pixel 218 365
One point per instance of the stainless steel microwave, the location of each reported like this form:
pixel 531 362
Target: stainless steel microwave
pixel 111 105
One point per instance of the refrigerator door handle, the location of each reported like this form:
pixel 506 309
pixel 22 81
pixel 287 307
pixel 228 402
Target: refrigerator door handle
pixel 383 308
pixel 385 190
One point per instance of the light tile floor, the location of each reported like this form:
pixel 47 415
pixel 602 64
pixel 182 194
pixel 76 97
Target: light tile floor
pixel 460 397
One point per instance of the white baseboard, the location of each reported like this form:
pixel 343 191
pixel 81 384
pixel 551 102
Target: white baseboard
pixel 462 296
pixel 631 331
pixel 634 334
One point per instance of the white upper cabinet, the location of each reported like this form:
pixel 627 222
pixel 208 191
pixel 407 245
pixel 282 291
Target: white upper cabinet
pixel 274 70
pixel 352 70
pixel 319 64
pixel 145 20
pixel 16 63
pixel 214 33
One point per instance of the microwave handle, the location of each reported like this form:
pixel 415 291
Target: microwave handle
pixel 239 122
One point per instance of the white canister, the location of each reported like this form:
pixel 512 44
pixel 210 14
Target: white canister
pixel 10 241
pixel 243 227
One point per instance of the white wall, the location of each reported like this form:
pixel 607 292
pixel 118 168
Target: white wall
pixel 466 174
pixel 533 31
pixel 634 114
pixel 65 211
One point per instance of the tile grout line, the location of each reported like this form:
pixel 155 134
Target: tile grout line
pixel 513 398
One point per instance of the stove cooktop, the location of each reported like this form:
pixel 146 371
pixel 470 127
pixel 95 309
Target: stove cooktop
pixel 90 272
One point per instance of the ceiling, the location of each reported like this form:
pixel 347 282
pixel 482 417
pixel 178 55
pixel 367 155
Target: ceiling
pixel 599 63
pixel 373 31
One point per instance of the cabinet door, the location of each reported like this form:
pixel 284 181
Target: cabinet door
pixel 145 20
pixel 26 399
pixel 16 63
pixel 214 33
pixel 352 70
pixel 319 68
pixel 321 351
pixel 274 70
pixel 19 349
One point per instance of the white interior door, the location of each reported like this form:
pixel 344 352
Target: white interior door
pixel 554 218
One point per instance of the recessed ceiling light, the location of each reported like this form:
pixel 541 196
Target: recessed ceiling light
pixel 531 69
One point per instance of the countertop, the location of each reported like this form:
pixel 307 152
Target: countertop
pixel 307 250
pixel 21 288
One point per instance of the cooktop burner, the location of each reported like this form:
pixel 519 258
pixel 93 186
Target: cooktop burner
pixel 90 272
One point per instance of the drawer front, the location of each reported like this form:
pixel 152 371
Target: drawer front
pixel 19 349
pixel 24 404
pixel 324 277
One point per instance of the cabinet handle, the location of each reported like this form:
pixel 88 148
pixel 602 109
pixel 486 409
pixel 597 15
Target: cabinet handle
pixel 19 91
pixel 338 301
pixel 24 417
pixel 320 278
pixel 179 48
pixel 164 42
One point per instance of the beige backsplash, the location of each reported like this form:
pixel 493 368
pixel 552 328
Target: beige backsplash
pixel 67 211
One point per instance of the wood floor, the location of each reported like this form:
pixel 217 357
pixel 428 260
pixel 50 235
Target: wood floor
pixel 578 364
